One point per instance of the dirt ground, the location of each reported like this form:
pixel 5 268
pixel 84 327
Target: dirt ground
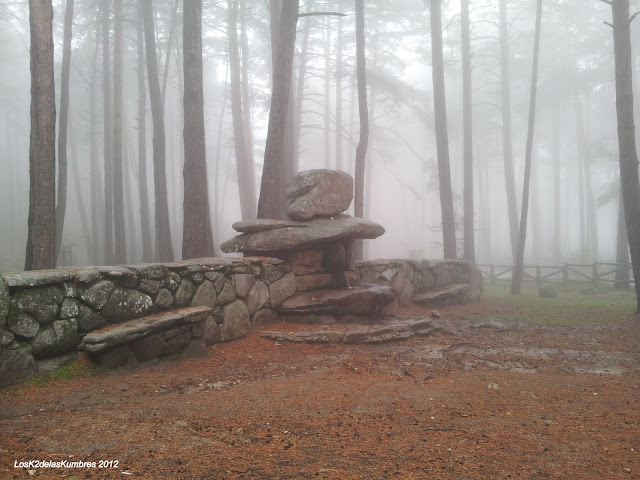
pixel 481 399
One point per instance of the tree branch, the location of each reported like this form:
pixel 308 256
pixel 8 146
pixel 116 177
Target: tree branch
pixel 607 23
pixel 633 17
pixel 311 14
pixel 607 1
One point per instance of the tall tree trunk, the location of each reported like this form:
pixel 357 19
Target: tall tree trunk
pixel 163 229
pixel 629 181
pixel 442 140
pixel 507 149
pixel 97 193
pixel 327 93
pixel 217 211
pixel 302 71
pixel 271 203
pixel 40 252
pixel 622 250
pixel 127 167
pixel 118 192
pixel 167 57
pixel 147 247
pixel 557 192
pixel 580 141
pixel 197 240
pixel 519 265
pixel 246 90
pixel 244 163
pixel 339 96
pixel 107 103
pixel 361 149
pixel 61 205
pixel 77 186
pixel 467 113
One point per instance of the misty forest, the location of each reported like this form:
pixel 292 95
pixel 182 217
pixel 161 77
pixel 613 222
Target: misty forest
pixel 490 130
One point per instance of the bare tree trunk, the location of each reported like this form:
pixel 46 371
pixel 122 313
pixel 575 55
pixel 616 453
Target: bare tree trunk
pixel 217 211
pixel 622 250
pixel 630 183
pixel 361 149
pixel 147 248
pixel 442 140
pixel 580 141
pixel 300 85
pixel 97 194
pixel 118 192
pixel 557 197
pixel 339 96
pixel 272 202
pixel 163 229
pixel 507 149
pixel 327 93
pixel 516 279
pixel 127 156
pixel 197 240
pixel 167 57
pixel 469 237
pixel 40 252
pixel 244 163
pixel 107 103
pixel 61 205
pixel 80 202
pixel 246 91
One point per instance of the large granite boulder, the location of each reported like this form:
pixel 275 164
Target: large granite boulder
pixel 319 193
pixel 315 232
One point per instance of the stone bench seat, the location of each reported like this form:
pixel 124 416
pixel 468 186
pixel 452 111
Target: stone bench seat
pixel 153 336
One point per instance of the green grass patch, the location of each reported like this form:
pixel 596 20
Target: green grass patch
pixel 573 305
pixel 79 368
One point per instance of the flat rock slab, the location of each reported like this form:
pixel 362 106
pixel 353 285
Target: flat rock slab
pixel 127 332
pixel 358 334
pixel 442 294
pixel 261 225
pixel 311 233
pixel 361 299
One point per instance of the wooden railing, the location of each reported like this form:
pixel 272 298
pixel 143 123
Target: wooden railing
pixel 569 272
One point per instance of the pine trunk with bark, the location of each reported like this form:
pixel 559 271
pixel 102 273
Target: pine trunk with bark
pixel 147 245
pixel 363 141
pixel 467 113
pixel 197 240
pixel 271 203
pixel 107 103
pixel 244 158
pixel 118 192
pixel 622 280
pixel 40 252
pixel 442 140
pixel 629 181
pixel 61 205
pixel 518 267
pixel 164 251
pixel 507 147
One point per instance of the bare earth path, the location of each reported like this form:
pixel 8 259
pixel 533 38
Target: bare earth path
pixel 481 399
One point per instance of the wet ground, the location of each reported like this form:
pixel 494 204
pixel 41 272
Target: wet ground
pixel 480 398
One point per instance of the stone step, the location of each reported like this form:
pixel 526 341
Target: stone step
pixel 149 337
pixel 358 334
pixel 359 299
pixel 442 295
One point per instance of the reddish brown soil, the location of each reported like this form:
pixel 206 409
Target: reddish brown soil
pixel 479 400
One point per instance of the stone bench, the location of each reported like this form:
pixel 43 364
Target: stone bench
pixel 149 337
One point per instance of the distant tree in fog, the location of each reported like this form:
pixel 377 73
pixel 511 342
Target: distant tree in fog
pixel 61 204
pixel 518 267
pixel 469 237
pixel 442 137
pixel 40 252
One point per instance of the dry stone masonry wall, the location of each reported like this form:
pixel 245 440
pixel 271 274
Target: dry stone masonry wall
pixel 45 315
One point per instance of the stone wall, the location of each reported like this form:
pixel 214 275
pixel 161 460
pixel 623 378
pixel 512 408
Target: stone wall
pixel 44 315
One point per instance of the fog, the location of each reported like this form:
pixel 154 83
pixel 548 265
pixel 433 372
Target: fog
pixel 575 131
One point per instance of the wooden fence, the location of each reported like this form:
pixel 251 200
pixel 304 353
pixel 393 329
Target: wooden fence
pixel 569 272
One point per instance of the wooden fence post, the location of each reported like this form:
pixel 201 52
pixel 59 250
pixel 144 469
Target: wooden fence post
pixel 493 274
pixel 538 281
pixel 595 273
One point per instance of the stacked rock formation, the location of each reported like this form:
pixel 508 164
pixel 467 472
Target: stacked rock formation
pixel 317 242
